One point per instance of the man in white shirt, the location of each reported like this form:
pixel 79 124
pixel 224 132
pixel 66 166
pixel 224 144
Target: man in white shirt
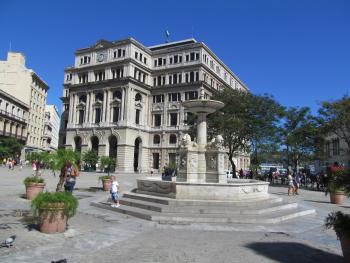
pixel 114 192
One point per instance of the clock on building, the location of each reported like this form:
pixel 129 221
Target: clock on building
pixel 100 57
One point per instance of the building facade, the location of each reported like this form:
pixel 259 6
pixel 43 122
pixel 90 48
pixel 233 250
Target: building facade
pixel 13 117
pixel 337 150
pixel 51 127
pixel 123 99
pixel 26 86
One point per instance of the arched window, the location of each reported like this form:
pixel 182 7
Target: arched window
pixel 138 97
pixel 172 139
pixel 156 139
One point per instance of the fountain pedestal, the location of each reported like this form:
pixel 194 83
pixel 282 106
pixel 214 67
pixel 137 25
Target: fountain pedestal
pixel 201 173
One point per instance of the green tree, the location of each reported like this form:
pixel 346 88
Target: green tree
pixel 10 147
pixel 246 121
pixel 300 132
pixel 335 119
pixel 108 163
pixel 90 158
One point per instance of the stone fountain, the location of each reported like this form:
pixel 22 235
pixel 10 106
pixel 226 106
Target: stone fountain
pixel 201 192
pixel 201 167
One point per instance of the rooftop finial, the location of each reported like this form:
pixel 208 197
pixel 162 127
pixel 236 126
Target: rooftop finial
pixel 167 34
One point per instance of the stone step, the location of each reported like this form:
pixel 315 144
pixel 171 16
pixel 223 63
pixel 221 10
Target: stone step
pixel 197 209
pixel 272 218
pixel 187 218
pixel 128 210
pixel 182 202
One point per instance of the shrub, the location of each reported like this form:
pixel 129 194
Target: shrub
pixel 47 199
pixel 105 177
pixel 340 222
pixel 33 179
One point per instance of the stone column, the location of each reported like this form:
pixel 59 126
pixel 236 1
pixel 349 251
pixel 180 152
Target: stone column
pixel 70 119
pixel 202 129
pixel 122 105
pixel 108 116
pixel 87 107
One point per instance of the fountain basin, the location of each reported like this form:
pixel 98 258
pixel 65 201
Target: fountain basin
pixel 203 106
pixel 240 189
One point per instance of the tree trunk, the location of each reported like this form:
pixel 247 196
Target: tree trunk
pixel 61 180
pixel 233 165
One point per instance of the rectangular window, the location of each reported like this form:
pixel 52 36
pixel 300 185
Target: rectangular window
pixel 180 59
pixel 160 60
pixel 155 160
pixel 197 76
pixel 197 56
pixel 137 116
pixel 136 55
pixel 170 80
pixel 187 58
pixel 175 78
pixel 192 56
pixel 173 119
pixel 141 57
pixel 159 80
pixel 164 61
pixel 158 98
pixel 155 62
pixel 123 52
pixel 145 60
pixel 176 59
pixel 180 78
pixel 119 53
pixel 170 60
pixel 154 82
pixel 174 96
pixel 157 120
pixel 115 114
pixel 81 117
pixel 191 95
pixel 98 115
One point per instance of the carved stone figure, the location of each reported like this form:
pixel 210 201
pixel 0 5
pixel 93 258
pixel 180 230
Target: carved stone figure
pixel 186 140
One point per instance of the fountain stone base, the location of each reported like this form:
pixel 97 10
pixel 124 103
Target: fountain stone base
pixel 238 189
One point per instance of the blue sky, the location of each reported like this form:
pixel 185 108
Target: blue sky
pixel 297 51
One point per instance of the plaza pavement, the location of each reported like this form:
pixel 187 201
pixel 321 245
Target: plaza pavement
pixel 97 235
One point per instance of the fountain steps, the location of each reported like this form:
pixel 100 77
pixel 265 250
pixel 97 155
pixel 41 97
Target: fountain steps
pixel 272 210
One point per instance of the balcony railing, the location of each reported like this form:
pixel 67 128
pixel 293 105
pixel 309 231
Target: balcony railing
pixel 9 134
pixel 11 115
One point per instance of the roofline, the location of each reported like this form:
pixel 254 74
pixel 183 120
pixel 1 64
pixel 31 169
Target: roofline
pixel 175 43
pixel 40 79
pixel 223 64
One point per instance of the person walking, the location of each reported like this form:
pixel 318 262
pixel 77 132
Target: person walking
pixel 297 182
pixel 115 192
pixel 291 188
pixel 67 177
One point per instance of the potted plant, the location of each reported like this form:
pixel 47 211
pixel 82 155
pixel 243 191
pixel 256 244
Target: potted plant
pixel 34 185
pixel 337 185
pixel 106 182
pixel 53 210
pixel 340 223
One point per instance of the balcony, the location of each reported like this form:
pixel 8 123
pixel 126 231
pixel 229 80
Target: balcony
pixel 11 116
pixel 9 134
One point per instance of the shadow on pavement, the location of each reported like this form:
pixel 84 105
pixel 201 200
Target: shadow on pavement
pixel 291 252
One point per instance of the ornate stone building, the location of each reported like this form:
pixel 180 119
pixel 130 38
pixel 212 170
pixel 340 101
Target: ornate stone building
pixel 123 99
pixel 25 85
pixel 13 117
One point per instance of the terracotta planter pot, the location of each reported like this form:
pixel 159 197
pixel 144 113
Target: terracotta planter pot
pixel 107 184
pixel 337 197
pixel 33 189
pixel 345 246
pixel 53 218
